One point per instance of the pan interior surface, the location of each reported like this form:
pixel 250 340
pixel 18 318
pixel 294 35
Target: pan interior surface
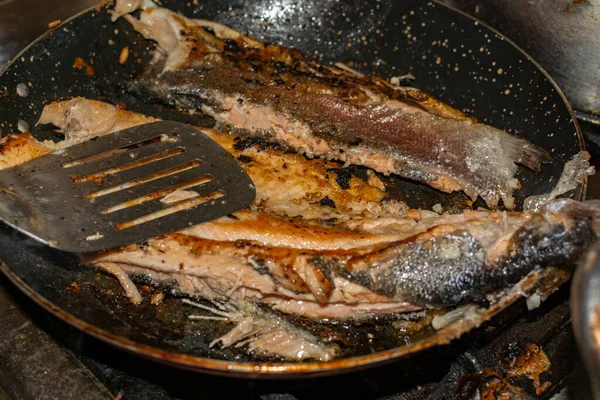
pixel 451 57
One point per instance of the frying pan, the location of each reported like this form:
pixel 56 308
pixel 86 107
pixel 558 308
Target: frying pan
pixel 452 56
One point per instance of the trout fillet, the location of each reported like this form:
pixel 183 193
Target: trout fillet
pixel 324 111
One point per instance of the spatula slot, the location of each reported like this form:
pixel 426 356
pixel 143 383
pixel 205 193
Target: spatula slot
pixel 97 176
pixel 159 194
pixel 180 206
pixel 122 149
pixel 147 178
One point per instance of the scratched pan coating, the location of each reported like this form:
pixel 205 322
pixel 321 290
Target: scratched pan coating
pixel 452 57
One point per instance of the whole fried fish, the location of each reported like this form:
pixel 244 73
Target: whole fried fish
pixel 325 111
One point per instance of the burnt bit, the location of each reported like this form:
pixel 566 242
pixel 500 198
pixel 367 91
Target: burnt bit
pixel 323 266
pixel 509 354
pixel 327 202
pixel 12 142
pixel 212 32
pixel 229 45
pixel 240 244
pixel 487 384
pixel 343 176
pixel 259 265
pixel 256 82
pixel 245 159
pixel 255 141
pixel 73 288
pixel 528 360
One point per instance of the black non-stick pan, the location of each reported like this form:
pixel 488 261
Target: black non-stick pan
pixel 451 56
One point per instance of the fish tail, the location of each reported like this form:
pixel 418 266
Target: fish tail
pixel 522 152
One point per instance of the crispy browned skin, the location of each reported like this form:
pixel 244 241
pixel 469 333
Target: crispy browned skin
pixel 291 185
pixel 327 111
pixel 17 149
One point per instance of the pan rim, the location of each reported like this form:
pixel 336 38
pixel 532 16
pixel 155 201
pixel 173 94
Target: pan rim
pixel 284 370
pixel 43 35
pixel 281 370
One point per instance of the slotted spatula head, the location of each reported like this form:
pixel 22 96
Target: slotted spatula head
pixel 123 188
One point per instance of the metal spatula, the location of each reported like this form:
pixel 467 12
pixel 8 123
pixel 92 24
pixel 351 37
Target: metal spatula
pixel 124 188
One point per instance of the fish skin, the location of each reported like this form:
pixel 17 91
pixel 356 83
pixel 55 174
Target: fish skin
pixel 455 268
pixel 445 266
pixel 329 112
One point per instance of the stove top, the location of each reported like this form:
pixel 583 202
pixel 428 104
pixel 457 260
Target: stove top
pixel 519 354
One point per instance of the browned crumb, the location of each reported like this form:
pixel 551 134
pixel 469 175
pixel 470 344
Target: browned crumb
pixel 124 55
pixel 157 297
pixel 54 23
pixel 73 288
pixel 79 63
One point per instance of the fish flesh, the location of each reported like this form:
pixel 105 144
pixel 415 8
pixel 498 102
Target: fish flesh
pixel 315 189
pixel 265 333
pixel 301 258
pixel 362 216
pixel 324 111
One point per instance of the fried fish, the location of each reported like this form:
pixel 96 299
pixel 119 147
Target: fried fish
pixel 324 111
